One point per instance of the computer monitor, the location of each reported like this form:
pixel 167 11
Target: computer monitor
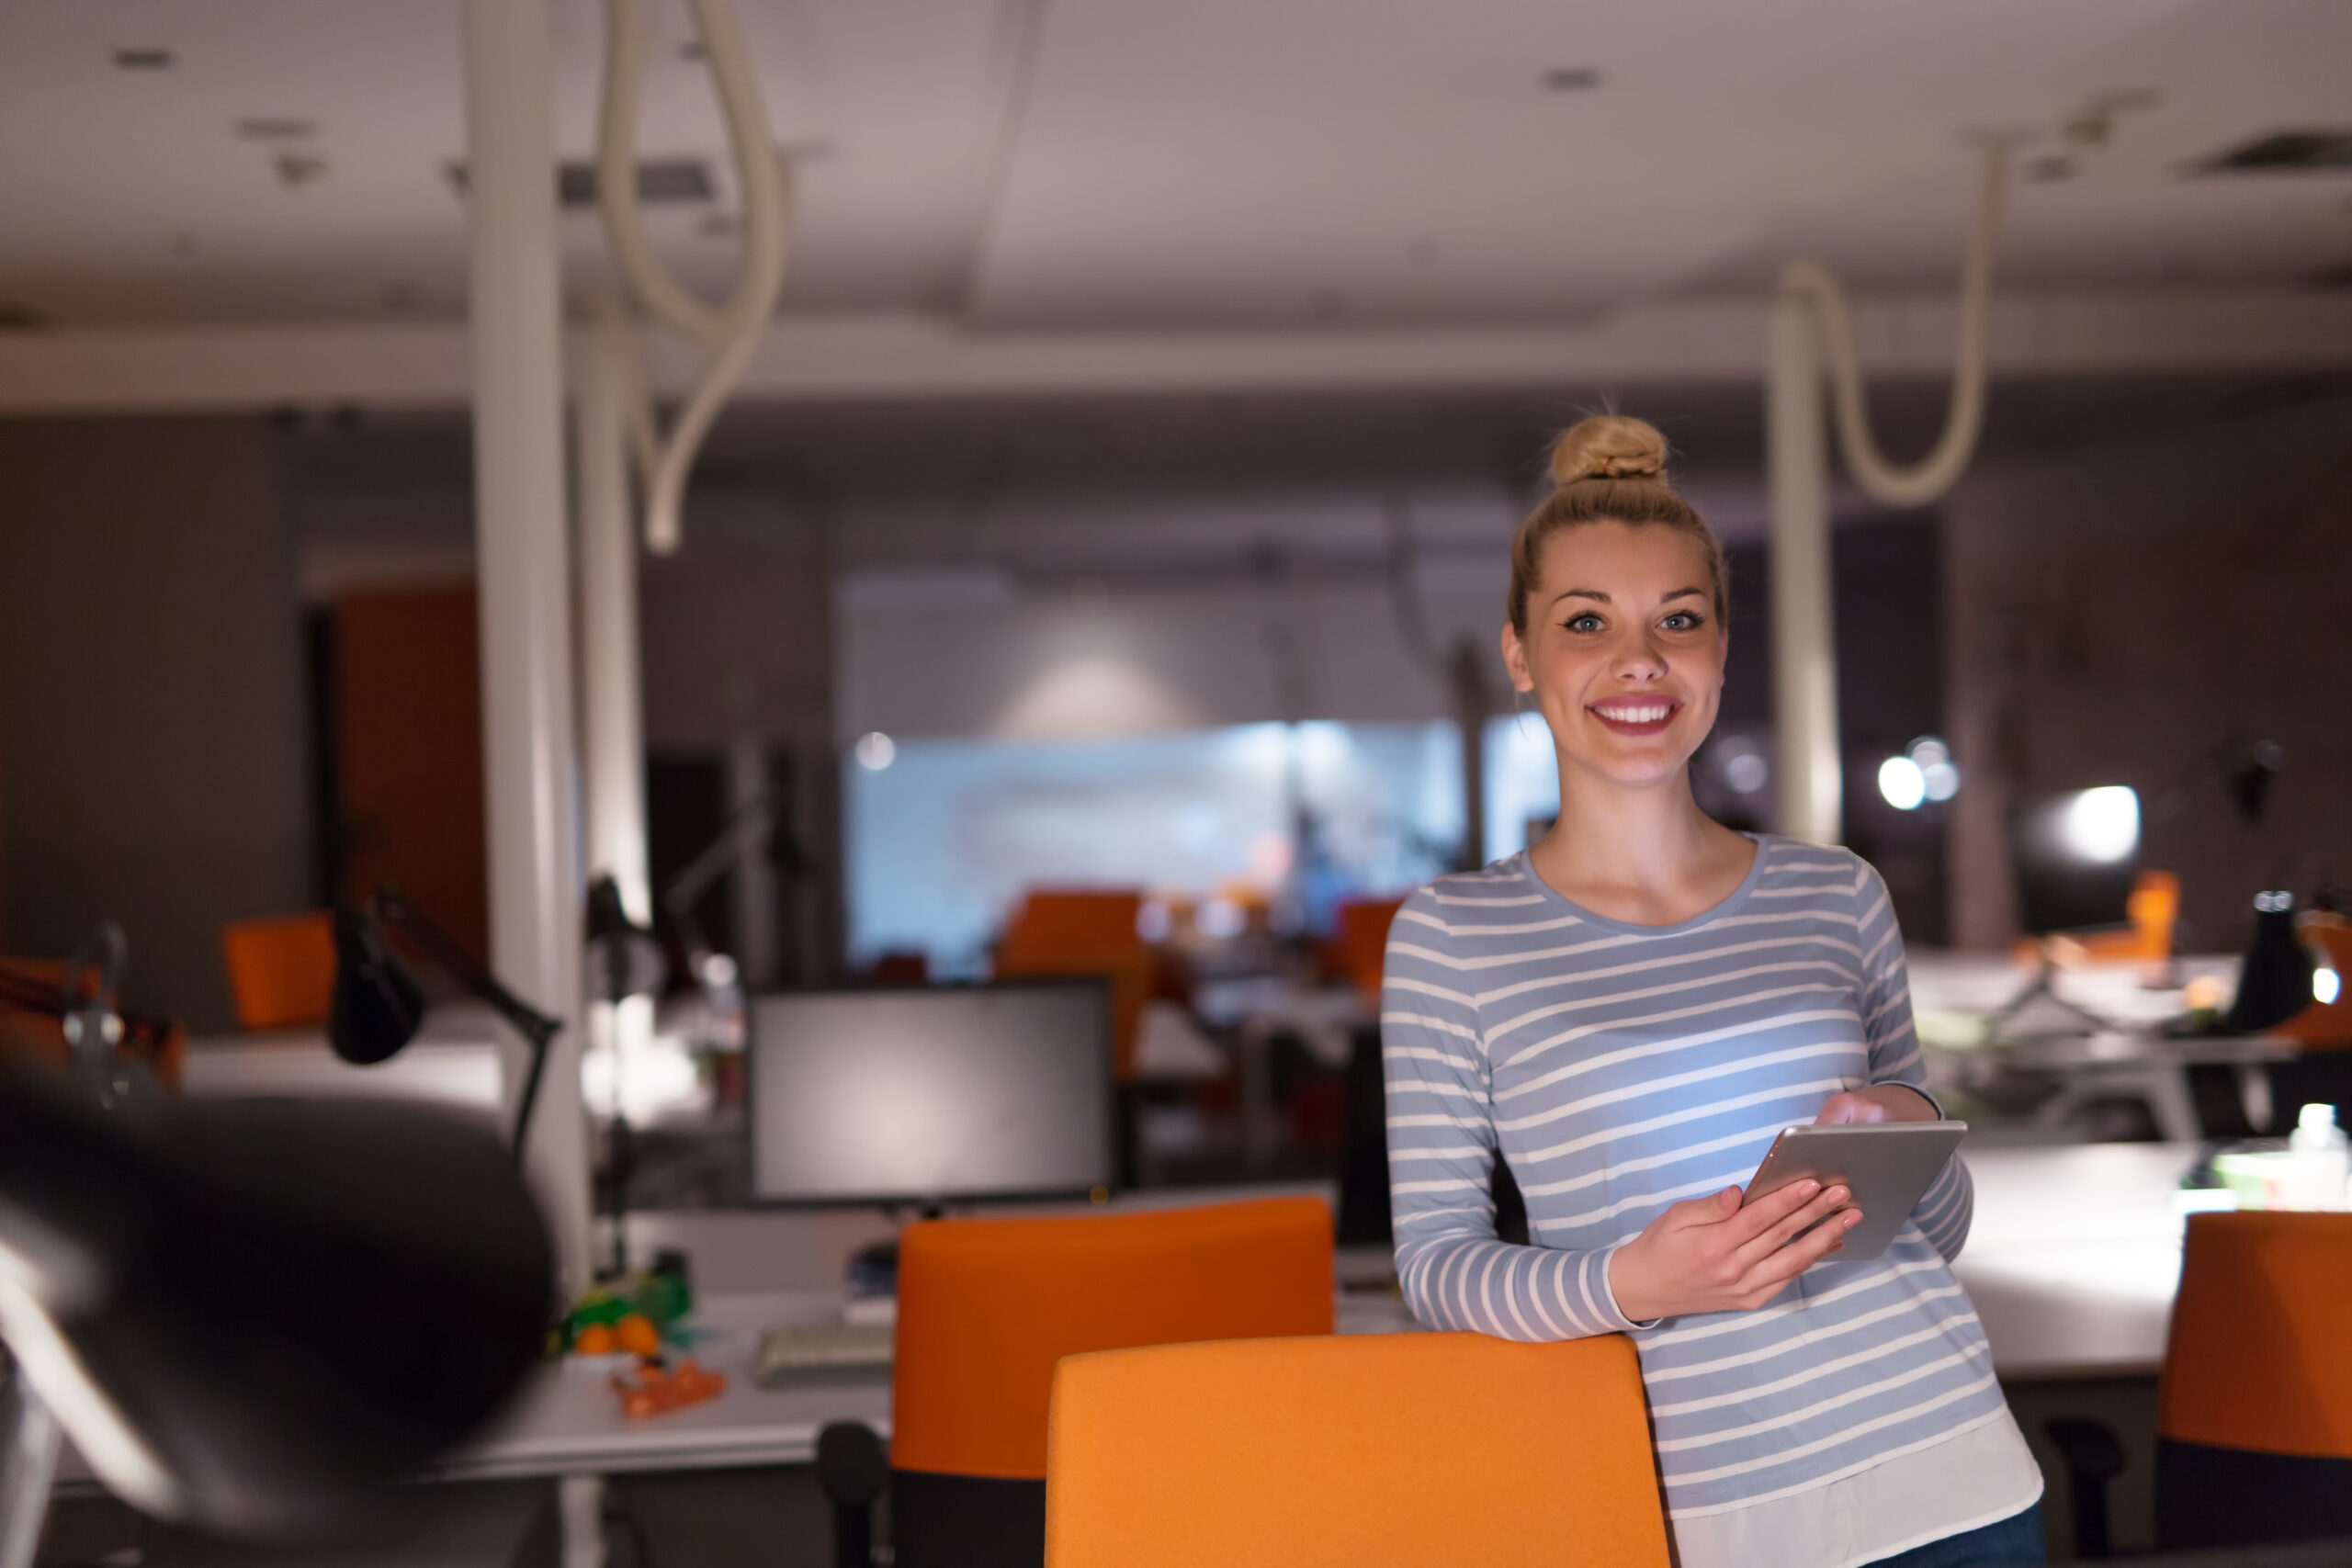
pixel 2076 857
pixel 954 1094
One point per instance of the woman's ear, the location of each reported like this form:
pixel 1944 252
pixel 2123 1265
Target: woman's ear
pixel 1515 659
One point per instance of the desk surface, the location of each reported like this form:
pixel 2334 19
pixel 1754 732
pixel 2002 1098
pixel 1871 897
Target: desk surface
pixel 2073 1262
pixel 2074 1256
pixel 570 1423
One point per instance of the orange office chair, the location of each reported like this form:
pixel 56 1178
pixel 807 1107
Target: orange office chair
pixel 1359 1452
pixel 987 1307
pixel 1364 941
pixel 282 970
pixel 1083 932
pixel 2255 1418
pixel 2326 1025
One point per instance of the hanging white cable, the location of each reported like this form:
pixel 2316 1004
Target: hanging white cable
pixel 1964 419
pixel 733 329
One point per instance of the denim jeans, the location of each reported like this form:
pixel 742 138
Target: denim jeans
pixel 2013 1542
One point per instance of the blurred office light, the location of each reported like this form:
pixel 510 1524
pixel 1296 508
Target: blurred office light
pixel 2326 985
pixel 876 750
pixel 1746 771
pixel 2102 825
pixel 1902 783
pixel 1939 774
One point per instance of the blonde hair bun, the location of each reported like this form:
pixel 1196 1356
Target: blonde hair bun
pixel 1609 446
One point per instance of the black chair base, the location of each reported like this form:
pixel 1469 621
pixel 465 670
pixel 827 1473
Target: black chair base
pixel 2216 1497
pixel 967 1522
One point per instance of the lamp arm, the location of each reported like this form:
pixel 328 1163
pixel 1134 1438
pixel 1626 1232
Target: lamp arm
pixel 449 953
pixel 471 972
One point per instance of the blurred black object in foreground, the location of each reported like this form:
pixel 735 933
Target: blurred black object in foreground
pixel 252 1316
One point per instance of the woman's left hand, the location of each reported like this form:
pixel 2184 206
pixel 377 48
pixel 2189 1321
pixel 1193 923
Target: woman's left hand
pixel 1884 1102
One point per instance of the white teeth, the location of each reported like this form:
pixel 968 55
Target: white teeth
pixel 1634 716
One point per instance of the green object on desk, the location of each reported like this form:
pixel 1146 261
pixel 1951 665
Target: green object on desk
pixel 663 1297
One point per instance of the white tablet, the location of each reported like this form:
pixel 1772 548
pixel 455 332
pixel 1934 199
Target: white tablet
pixel 1887 1166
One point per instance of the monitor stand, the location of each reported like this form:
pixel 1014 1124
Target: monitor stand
pixel 2041 989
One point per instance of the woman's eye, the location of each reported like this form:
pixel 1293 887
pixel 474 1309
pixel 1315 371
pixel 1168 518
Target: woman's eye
pixel 1681 621
pixel 1585 623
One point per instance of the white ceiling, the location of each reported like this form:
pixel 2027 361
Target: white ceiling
pixel 1051 163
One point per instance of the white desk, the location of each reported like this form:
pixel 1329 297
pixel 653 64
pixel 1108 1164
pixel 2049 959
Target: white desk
pixel 2074 1256
pixel 453 1061
pixel 568 1421
pixel 2072 1261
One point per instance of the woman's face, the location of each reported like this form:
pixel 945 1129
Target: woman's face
pixel 1623 652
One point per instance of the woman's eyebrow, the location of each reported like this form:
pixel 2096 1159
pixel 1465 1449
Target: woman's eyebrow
pixel 1597 595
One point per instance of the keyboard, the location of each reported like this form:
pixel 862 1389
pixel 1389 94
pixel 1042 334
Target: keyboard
pixel 821 1347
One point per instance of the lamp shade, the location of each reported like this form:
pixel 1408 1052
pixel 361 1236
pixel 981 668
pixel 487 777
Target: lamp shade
pixel 254 1315
pixel 623 959
pixel 377 1005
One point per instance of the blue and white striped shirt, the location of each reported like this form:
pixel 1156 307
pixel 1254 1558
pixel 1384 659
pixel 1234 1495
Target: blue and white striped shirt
pixel 1623 1069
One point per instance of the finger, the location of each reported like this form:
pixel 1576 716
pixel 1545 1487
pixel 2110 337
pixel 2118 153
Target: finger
pixel 1714 1209
pixel 1779 1268
pixel 1837 1109
pixel 1760 1215
pixel 1780 1236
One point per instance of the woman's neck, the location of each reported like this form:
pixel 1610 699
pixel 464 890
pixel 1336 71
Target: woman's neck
pixel 1645 855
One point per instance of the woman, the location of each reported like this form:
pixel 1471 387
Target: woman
pixel 1627 1013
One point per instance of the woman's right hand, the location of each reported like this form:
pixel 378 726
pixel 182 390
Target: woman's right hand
pixel 1716 1255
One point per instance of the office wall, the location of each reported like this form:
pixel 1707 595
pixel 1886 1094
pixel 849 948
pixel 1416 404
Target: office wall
pixel 151 716
pixel 2137 614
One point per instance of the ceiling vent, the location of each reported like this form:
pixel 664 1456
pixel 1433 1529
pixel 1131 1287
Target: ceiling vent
pixel 2284 152
pixel 16 316
pixel 661 182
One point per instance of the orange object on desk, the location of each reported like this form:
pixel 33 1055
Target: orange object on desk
pixel 656 1391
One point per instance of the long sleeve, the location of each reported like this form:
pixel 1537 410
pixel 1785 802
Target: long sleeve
pixel 1949 1203
pixel 1441 1150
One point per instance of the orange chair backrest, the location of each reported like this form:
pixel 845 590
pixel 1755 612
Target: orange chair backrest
pixel 2261 1350
pixel 1355 1451
pixel 986 1307
pixel 282 970
pixel 1080 932
pixel 2327 1026
pixel 1364 941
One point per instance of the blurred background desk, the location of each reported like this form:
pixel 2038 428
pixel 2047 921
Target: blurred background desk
pixel 2074 1256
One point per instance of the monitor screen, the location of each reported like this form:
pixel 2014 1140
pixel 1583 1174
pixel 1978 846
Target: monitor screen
pixel 2076 857
pixel 986 1091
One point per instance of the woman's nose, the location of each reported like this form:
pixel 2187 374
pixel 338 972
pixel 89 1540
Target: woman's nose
pixel 1638 657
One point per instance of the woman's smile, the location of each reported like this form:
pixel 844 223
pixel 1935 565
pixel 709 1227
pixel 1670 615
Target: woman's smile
pixel 1635 716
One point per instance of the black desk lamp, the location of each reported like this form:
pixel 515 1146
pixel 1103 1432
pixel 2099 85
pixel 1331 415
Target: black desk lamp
pixel 378 1006
pixel 253 1314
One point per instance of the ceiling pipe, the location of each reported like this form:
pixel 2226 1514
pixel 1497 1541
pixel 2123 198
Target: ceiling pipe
pixel 1964 417
pixel 1805 656
pixel 733 329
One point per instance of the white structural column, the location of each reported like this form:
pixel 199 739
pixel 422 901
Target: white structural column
pixel 612 704
pixel 1804 651
pixel 525 578
pixel 612 686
